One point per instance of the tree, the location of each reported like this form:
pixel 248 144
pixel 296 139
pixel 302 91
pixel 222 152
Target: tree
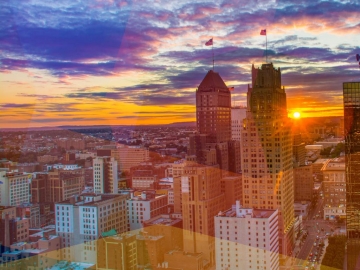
pixel 335 253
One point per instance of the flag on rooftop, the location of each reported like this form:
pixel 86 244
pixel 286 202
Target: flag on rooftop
pixel 231 88
pixel 263 32
pixel 209 43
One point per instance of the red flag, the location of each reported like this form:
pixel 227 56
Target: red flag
pixel 209 43
pixel 231 88
pixel 263 32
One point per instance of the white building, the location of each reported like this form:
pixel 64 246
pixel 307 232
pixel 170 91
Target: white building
pixel 105 175
pixel 247 238
pixel 146 206
pixel 238 114
pixel 81 220
pixel 14 188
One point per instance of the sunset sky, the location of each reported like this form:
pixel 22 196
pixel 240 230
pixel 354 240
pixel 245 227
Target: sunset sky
pixel 98 62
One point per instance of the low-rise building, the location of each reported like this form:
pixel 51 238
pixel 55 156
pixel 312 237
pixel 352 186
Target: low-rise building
pixel 145 206
pixel 80 221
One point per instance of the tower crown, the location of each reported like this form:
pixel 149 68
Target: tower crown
pixel 212 82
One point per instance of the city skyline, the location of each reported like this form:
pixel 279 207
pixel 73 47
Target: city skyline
pixel 127 63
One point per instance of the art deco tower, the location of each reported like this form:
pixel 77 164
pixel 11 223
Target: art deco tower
pixel 213 108
pixel 266 151
pixel 352 171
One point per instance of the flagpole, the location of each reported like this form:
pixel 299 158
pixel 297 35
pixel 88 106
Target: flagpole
pixel 266 47
pixel 213 52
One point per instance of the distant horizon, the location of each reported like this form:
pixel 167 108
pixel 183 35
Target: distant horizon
pixel 124 63
pixel 139 125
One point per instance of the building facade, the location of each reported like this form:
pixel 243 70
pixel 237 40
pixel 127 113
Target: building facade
pixel 145 206
pixel 351 93
pixel 303 183
pixel 80 221
pixel 105 175
pixel 238 114
pixel 266 151
pixel 334 188
pixel 14 188
pixel 247 239
pixel 201 201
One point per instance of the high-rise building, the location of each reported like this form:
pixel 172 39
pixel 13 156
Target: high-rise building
pixel 240 234
pixel 351 92
pixel 201 201
pixel 266 151
pixel 213 108
pixel 14 188
pixel 105 175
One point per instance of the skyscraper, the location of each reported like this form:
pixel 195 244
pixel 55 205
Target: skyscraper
pixel 213 108
pixel 351 91
pixel 266 151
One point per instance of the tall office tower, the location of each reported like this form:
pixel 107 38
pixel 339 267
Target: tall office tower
pixel 238 114
pixel 105 175
pixel 267 152
pixel 213 108
pixel 14 188
pixel 81 220
pixel 201 201
pixel 351 92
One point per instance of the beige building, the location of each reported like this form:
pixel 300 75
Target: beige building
pixel 105 175
pixel 201 201
pixel 238 114
pixel 64 183
pixel 129 156
pixel 334 187
pixel 267 154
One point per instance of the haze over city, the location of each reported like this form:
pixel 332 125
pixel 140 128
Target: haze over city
pixel 140 62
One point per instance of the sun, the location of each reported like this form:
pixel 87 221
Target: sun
pixel 296 115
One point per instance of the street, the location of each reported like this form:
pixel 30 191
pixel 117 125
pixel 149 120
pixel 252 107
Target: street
pixel 308 253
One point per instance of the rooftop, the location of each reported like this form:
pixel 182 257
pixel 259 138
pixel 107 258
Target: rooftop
pixel 213 81
pixel 90 199
pixel 162 220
